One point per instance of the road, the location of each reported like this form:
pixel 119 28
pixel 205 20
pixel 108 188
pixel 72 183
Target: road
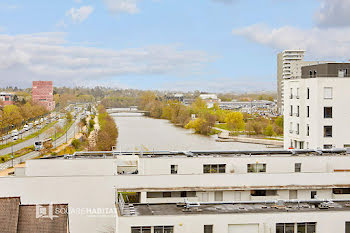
pixel 70 134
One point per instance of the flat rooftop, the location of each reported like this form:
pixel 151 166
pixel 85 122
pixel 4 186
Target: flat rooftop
pixel 239 208
pixel 181 154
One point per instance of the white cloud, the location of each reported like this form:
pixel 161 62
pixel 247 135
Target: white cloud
pixel 246 84
pixel 122 6
pixel 24 58
pixel 322 43
pixel 80 14
pixel 333 13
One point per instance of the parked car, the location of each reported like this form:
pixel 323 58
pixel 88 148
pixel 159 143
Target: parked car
pixel 15 138
pixel 26 127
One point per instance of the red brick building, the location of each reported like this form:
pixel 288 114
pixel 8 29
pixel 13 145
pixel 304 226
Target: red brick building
pixel 42 93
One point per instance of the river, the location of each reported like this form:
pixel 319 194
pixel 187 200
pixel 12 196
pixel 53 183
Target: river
pixel 137 132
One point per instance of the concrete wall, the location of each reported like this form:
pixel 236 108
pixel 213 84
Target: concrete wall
pixel 326 222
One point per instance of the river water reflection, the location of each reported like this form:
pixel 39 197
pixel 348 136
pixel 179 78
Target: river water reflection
pixel 137 131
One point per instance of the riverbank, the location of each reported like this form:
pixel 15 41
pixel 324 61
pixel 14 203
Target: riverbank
pixel 224 136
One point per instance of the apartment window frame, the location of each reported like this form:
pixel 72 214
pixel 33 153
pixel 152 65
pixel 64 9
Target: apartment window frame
pixel 298 111
pixel 297 167
pixel 174 168
pixel 328 112
pixel 339 191
pixel 291 93
pixel 214 168
pixel 328 131
pixel 163 229
pixel 307 130
pixel 327 146
pixel 256 168
pixel 308 93
pixel 298 129
pixel 264 193
pixel 291 110
pixel 328 93
pixel 308 111
pixel 313 194
pixel 300 227
pixel 208 228
pixel 141 229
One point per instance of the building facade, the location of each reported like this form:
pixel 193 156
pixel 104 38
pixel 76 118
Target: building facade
pixel 316 112
pixel 42 93
pixel 6 99
pixel 285 60
pixel 187 192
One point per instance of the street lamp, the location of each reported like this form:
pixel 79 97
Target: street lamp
pixel 12 151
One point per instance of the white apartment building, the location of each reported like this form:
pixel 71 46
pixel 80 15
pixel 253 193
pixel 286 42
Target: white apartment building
pixel 316 112
pixel 285 60
pixel 192 192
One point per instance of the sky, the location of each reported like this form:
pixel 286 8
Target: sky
pixel 178 45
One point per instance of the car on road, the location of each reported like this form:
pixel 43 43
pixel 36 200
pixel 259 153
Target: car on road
pixel 14 132
pixel 15 138
pixel 26 127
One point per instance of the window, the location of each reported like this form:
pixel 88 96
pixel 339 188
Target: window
pixel 173 169
pixel 308 111
pixel 308 93
pixel 298 126
pixel 347 227
pixel 328 93
pixel 297 93
pixel 315 73
pixel 342 73
pixel 307 130
pixel 291 110
pixel 214 168
pixel 327 146
pixel 285 228
pixel 297 167
pixel 313 194
pixel 163 229
pixel 341 191
pixel 256 167
pixel 141 229
pixel 166 194
pixel 304 227
pixel 310 74
pixel 208 228
pixel 298 111
pixel 291 93
pixel 328 112
pixel 328 131
pixel 263 193
pixel 291 127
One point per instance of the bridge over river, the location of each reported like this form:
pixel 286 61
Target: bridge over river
pixel 131 109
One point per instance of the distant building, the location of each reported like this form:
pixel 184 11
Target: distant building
pixel 42 93
pixel 316 112
pixel 284 71
pixel 210 99
pixel 263 107
pixel 6 99
pixel 178 97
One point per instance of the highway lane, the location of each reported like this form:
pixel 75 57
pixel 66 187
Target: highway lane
pixel 70 134
pixel 26 143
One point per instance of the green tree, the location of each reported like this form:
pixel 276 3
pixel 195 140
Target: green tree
pixel 235 121
pixel 269 131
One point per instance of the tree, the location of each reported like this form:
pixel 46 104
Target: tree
pixel 269 131
pixel 235 121
pixel 12 115
pixel 69 117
